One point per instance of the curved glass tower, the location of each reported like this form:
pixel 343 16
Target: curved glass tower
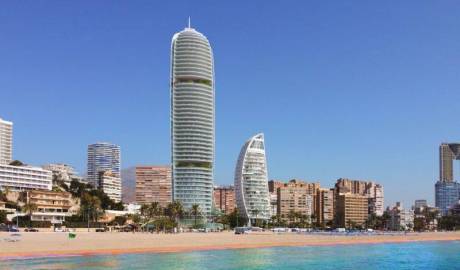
pixel 251 181
pixel 192 119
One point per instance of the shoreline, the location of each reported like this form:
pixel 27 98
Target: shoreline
pixel 203 242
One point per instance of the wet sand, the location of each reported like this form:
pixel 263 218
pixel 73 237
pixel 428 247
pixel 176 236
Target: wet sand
pixel 43 244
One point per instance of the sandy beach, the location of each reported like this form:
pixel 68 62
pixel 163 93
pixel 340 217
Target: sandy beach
pixel 43 244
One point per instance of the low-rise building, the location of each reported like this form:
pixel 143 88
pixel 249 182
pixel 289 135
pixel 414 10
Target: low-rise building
pixel 63 172
pixel 110 183
pixel 420 204
pixel 224 199
pixel 351 210
pixel 52 206
pixel 25 177
pixel 400 218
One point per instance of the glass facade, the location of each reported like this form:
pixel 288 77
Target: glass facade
pixel 251 180
pixel 192 119
pixel 447 194
pixel 102 157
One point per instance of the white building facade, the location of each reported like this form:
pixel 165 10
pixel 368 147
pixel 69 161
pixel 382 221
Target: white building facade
pixel 192 119
pixel 62 171
pixel 251 180
pixel 376 197
pixel 6 141
pixel 110 183
pixel 25 178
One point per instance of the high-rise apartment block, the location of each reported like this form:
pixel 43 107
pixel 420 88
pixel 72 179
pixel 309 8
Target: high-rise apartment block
pixel 273 186
pixel 351 210
pixel 446 195
pixel 6 141
pixel 224 199
pixel 192 116
pixel 153 184
pixel 325 206
pixel 448 152
pixel 371 190
pixel 110 183
pixel 447 190
pixel 375 194
pixel 102 157
pixel 297 196
pixel 251 180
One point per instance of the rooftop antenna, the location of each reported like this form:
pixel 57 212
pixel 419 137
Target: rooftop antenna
pixel 189 22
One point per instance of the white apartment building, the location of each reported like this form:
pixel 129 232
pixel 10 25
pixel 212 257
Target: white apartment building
pixel 400 218
pixel 192 119
pixel 63 171
pixel 251 181
pixel 110 183
pixel 6 141
pixel 25 178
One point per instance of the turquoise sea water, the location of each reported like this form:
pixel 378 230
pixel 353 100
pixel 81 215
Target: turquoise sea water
pixel 425 255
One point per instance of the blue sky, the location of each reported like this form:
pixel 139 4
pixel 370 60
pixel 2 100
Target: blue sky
pixel 354 89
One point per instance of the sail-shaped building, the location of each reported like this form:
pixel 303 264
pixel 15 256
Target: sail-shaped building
pixel 192 119
pixel 251 181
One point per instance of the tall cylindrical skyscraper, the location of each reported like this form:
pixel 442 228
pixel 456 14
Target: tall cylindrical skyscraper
pixel 192 119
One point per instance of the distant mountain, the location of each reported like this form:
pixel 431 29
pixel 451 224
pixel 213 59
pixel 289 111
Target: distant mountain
pixel 128 184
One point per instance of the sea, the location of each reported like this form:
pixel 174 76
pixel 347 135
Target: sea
pixel 415 255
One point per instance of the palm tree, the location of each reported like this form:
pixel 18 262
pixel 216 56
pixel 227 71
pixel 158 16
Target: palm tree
pixel 292 217
pixel 144 209
pixel 29 208
pixel 195 211
pixel 175 210
pixel 155 209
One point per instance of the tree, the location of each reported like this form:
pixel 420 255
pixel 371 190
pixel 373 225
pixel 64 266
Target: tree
pixel 4 194
pixel 155 209
pixel 29 208
pixel 16 163
pixel 195 212
pixel 77 188
pixel 3 216
pixel 451 222
pixel 175 210
pixel 419 224
pixel 234 219
pixel 371 221
pixel 144 210
pixel 292 217
pixel 90 206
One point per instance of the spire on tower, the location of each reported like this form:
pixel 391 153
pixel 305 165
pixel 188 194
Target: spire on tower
pixel 189 24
